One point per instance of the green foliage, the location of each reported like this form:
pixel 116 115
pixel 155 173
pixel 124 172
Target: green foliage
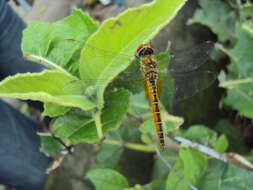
pixel 84 90
pixel 239 82
pixel 188 170
pixel 221 18
pixel 59 46
pixel 201 134
pixel 232 134
pixel 53 110
pixel 223 177
pixel 107 179
pixel 50 146
pixel 47 86
pixel 218 16
pixel 143 22
pixel 221 144
pixel 79 126
pixel 51 41
pixel 232 23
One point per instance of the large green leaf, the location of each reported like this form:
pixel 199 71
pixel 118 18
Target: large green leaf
pixel 117 103
pixel 239 95
pixel 241 54
pixel 239 81
pixel 105 179
pixel 121 36
pixel 79 126
pixel 58 44
pixel 187 171
pixel 47 86
pixel 194 164
pixel 222 176
pixel 218 16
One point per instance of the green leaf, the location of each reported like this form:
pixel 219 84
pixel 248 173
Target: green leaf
pixel 218 16
pixel 224 176
pixel 246 12
pixel 139 104
pixel 116 105
pixel 160 169
pixel 78 126
pixel 239 95
pixel 239 82
pixel 170 124
pixel 53 110
pixel 148 127
pixel 188 170
pixel 240 54
pixel 194 164
pixel 248 27
pixel 138 187
pixel 122 35
pixel 201 134
pixel 232 133
pixel 105 179
pixel 58 44
pixel 109 154
pixel 47 86
pixel 221 144
pixel 175 179
pixel 50 146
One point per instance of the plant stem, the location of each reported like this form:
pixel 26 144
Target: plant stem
pixel 140 147
pixel 97 119
pixel 132 146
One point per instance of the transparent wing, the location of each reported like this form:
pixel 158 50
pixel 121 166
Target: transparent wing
pixel 178 87
pixel 183 79
pixel 190 59
pixel 183 61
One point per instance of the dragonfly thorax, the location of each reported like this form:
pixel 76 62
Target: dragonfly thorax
pixel 149 67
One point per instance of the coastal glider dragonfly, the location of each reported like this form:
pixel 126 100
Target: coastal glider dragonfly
pixel 154 73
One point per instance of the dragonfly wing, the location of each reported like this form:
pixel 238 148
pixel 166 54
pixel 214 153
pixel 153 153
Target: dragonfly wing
pixel 190 59
pixel 130 79
pixel 179 87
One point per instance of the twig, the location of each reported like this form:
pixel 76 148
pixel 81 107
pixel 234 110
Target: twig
pixel 231 157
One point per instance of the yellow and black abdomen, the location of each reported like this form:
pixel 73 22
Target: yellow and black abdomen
pixel 149 69
pixel 145 53
pixel 153 96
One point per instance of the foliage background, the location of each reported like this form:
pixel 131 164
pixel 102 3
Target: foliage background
pixel 219 117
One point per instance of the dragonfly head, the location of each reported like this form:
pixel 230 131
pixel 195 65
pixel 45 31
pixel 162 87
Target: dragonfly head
pixel 144 50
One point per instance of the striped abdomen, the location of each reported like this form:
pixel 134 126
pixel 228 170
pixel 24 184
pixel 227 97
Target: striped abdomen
pixel 153 96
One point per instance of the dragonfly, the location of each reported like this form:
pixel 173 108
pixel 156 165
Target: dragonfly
pixel 151 72
pixel 148 65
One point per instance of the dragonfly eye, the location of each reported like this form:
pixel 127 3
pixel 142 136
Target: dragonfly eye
pixel 147 51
